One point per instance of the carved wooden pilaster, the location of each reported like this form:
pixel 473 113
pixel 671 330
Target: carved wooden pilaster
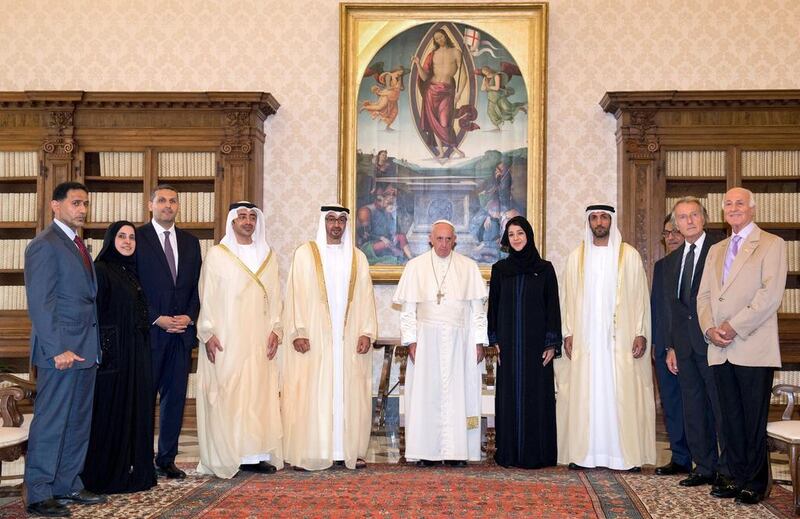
pixel 58 147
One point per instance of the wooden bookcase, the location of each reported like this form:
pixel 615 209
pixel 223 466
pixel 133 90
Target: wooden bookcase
pixel 209 145
pixel 702 143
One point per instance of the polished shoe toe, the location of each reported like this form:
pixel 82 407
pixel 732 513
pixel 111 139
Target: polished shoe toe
pixel 695 480
pixel 455 463
pixel 48 508
pixel 748 497
pixel 575 466
pixel 672 468
pixel 171 471
pixel 262 467
pixel 427 463
pixel 725 492
pixel 361 464
pixel 83 497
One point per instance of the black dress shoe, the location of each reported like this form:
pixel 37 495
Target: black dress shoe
pixel 361 464
pixel 82 497
pixel 455 463
pixel 170 471
pixel 48 508
pixel 427 463
pixel 672 468
pixel 726 492
pixel 695 480
pixel 749 497
pixel 262 467
pixel 635 470
pixel 575 466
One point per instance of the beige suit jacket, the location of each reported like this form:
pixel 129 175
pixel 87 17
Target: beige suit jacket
pixel 748 300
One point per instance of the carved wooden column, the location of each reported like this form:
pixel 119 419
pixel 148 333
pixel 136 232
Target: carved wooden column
pixel 58 147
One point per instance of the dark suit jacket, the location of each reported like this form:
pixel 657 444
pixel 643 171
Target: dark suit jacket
pixel 660 310
pixel 61 300
pixel 685 334
pixel 163 296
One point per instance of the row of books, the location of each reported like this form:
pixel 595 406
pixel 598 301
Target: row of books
pixel 770 207
pixel 110 207
pixel 695 164
pixel 196 207
pixel 121 164
pixel 12 254
pixel 95 245
pixel 18 207
pixel 12 297
pixel 791 301
pixel 186 164
pixel 19 164
pixel 776 163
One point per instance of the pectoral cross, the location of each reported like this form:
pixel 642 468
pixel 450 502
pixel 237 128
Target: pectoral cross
pixel 439 296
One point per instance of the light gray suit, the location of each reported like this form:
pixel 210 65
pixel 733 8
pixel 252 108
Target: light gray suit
pixel 61 304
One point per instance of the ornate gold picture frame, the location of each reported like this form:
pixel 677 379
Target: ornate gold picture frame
pixel 443 117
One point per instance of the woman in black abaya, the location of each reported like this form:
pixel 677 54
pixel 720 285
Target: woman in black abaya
pixel 525 325
pixel 120 454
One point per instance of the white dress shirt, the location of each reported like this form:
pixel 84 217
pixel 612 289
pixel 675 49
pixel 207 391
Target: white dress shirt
pixel 173 241
pixel 698 247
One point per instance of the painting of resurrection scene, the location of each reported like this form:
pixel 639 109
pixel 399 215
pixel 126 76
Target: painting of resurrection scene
pixel 442 133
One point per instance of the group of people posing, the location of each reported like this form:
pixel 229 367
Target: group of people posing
pixel 110 336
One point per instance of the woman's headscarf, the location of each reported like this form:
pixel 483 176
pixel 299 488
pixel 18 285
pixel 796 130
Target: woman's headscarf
pixel 526 261
pixel 109 252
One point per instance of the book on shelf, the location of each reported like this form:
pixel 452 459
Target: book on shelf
pixel 771 163
pixel 18 207
pixel 12 297
pixel 12 253
pixel 791 301
pixel 173 164
pixel 18 163
pixel 121 164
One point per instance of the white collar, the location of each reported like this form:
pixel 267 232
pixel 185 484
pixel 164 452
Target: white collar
pixel 745 232
pixel 64 227
pixel 698 244
pixel 161 230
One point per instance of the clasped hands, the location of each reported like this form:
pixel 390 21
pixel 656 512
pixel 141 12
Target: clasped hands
pixel 362 347
pixel 722 335
pixel 638 349
pixel 173 324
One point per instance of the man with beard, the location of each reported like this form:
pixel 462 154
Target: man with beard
pixel 605 411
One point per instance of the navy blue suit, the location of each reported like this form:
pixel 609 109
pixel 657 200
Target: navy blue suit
pixel 701 409
pixel 171 353
pixel 61 295
pixel 668 386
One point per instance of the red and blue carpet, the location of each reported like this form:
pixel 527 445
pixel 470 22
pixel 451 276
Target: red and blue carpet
pixel 390 490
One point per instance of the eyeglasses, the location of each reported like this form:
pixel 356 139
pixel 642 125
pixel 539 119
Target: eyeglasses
pixel 666 234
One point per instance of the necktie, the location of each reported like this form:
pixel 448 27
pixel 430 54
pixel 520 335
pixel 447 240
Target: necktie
pixel 686 278
pixel 732 252
pixel 170 257
pixel 87 261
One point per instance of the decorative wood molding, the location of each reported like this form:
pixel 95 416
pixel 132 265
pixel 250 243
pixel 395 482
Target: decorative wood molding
pixel 59 143
pixel 614 102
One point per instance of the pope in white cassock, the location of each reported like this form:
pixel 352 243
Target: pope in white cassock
pixel 330 320
pixel 605 410
pixel 238 410
pixel 443 323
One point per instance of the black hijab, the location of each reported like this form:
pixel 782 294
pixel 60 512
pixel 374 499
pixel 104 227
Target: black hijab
pixel 526 261
pixel 109 252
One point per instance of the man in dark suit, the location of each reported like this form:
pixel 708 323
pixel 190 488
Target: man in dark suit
pixel 168 261
pixel 737 306
pixel 65 348
pixel 669 389
pixel 687 355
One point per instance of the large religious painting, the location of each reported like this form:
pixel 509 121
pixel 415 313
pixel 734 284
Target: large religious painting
pixel 442 118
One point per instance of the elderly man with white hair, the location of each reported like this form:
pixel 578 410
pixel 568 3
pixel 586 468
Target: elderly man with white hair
pixel 605 411
pixel 443 323
pixel 238 411
pixel 737 306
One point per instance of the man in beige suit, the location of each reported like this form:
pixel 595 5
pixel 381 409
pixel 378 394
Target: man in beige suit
pixel 737 305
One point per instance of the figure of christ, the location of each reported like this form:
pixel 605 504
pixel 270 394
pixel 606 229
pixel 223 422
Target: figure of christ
pixel 440 90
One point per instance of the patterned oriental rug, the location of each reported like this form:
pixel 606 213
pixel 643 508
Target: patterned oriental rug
pixel 391 490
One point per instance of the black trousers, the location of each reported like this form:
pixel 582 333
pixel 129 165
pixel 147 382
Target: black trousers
pixel 702 414
pixel 744 394
pixel 171 365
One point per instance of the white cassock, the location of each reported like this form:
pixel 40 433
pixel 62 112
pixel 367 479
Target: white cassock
pixel 443 384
